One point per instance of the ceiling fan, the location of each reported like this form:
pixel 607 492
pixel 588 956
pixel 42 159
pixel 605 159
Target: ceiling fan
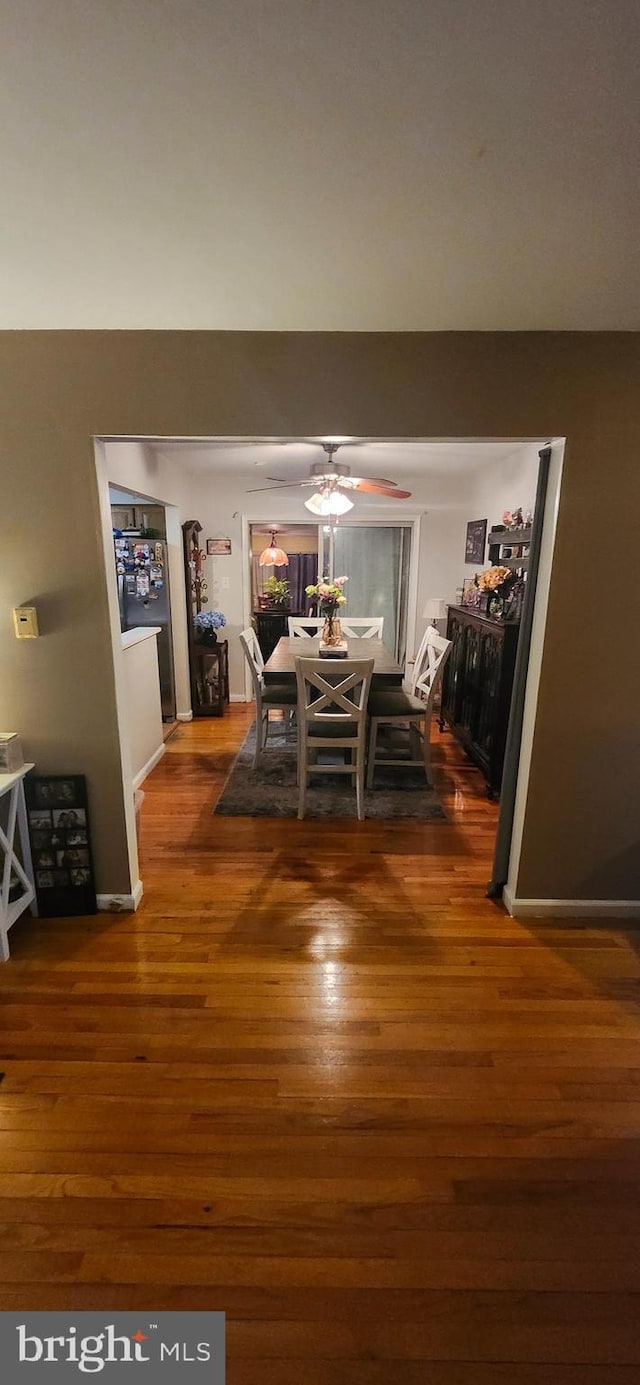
pixel 331 481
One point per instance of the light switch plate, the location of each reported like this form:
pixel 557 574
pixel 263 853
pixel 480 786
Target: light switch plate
pixel 25 623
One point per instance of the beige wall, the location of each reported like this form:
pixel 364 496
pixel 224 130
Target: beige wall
pixel 61 388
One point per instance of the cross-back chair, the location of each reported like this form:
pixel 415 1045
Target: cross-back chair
pixel 332 712
pixel 271 698
pixel 396 707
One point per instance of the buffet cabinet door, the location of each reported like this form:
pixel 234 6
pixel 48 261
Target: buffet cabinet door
pixel 490 672
pixel 453 674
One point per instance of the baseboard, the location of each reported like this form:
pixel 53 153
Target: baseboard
pixel 238 697
pixel 571 908
pixel 184 716
pixel 121 903
pixel 140 777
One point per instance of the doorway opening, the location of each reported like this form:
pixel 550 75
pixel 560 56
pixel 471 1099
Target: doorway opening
pixel 415 560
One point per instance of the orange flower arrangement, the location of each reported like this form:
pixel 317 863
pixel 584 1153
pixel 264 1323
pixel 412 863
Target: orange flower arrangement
pixel 493 578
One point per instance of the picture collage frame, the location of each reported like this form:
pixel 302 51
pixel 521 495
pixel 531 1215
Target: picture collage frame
pixel 59 831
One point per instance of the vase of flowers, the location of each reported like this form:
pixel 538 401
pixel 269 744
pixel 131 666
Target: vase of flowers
pixel 493 586
pixel 207 624
pixel 330 597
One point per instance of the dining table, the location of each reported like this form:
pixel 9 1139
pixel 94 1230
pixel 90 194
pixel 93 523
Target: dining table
pixel 280 667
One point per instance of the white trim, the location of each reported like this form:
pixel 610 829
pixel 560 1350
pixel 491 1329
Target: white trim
pixel 137 634
pixel 142 774
pixel 118 656
pixel 571 908
pixel 120 903
pixel 543 584
pixel 184 716
pixel 239 697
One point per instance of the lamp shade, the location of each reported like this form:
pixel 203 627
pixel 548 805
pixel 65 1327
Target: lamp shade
pixel 333 503
pixel 435 608
pixel 272 556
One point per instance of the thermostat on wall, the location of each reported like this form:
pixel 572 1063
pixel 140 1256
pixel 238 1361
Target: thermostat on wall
pixel 25 623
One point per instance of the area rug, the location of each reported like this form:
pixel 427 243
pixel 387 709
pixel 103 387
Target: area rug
pixel 271 790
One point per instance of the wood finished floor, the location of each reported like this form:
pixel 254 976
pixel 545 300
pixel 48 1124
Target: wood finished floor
pixel 320 1082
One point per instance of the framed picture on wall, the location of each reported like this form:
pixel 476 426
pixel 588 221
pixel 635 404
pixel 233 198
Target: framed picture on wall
pixel 476 541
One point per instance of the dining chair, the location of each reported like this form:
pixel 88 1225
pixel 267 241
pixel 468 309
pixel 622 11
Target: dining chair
pixel 416 662
pixel 275 697
pixel 358 627
pixel 332 713
pixel 304 627
pixel 363 627
pixel 395 707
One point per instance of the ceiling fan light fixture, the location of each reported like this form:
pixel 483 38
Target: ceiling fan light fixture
pixel 332 503
pixel 273 556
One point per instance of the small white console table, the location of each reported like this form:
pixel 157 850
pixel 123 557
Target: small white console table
pixel 12 787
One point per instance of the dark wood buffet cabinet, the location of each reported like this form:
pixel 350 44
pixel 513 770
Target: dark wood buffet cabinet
pixel 478 681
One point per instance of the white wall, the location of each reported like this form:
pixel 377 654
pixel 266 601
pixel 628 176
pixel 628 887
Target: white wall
pixel 503 486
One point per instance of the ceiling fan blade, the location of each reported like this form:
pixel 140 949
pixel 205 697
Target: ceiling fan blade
pixel 286 486
pixel 376 480
pixel 372 488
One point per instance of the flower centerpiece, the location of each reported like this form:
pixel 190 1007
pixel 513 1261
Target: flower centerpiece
pixel 493 586
pixel 330 597
pixel 207 624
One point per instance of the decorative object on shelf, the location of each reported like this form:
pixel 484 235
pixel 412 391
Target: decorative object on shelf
pixel 275 594
pixel 330 597
pixel 207 624
pixel 514 519
pixel 218 548
pixel 475 542
pixel 330 479
pixel 11 757
pixel 509 544
pixel 470 592
pixel 61 845
pixel 493 586
pixel 272 555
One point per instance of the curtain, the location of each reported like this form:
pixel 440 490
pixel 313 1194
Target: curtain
pixel 301 572
pixel 375 560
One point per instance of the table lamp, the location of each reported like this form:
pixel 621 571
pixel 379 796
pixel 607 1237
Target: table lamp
pixel 434 610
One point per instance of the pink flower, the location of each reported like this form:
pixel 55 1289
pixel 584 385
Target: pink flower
pixel 340 581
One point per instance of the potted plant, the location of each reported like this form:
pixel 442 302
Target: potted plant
pixel 276 592
pixel 207 624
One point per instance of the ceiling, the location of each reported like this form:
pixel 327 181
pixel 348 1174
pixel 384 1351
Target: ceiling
pixel 256 462
pixel 289 164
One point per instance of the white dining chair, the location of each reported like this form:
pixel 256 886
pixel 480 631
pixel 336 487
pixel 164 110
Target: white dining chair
pixel 332 713
pixel 416 662
pixel 363 627
pixel 395 707
pixel 358 627
pixel 304 627
pixel 275 697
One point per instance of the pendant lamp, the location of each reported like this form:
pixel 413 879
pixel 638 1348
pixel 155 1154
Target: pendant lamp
pixel 273 556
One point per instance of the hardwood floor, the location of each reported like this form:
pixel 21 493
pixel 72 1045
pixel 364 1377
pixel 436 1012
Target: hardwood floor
pixel 320 1082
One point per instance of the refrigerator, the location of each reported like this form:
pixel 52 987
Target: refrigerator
pixel 142 573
